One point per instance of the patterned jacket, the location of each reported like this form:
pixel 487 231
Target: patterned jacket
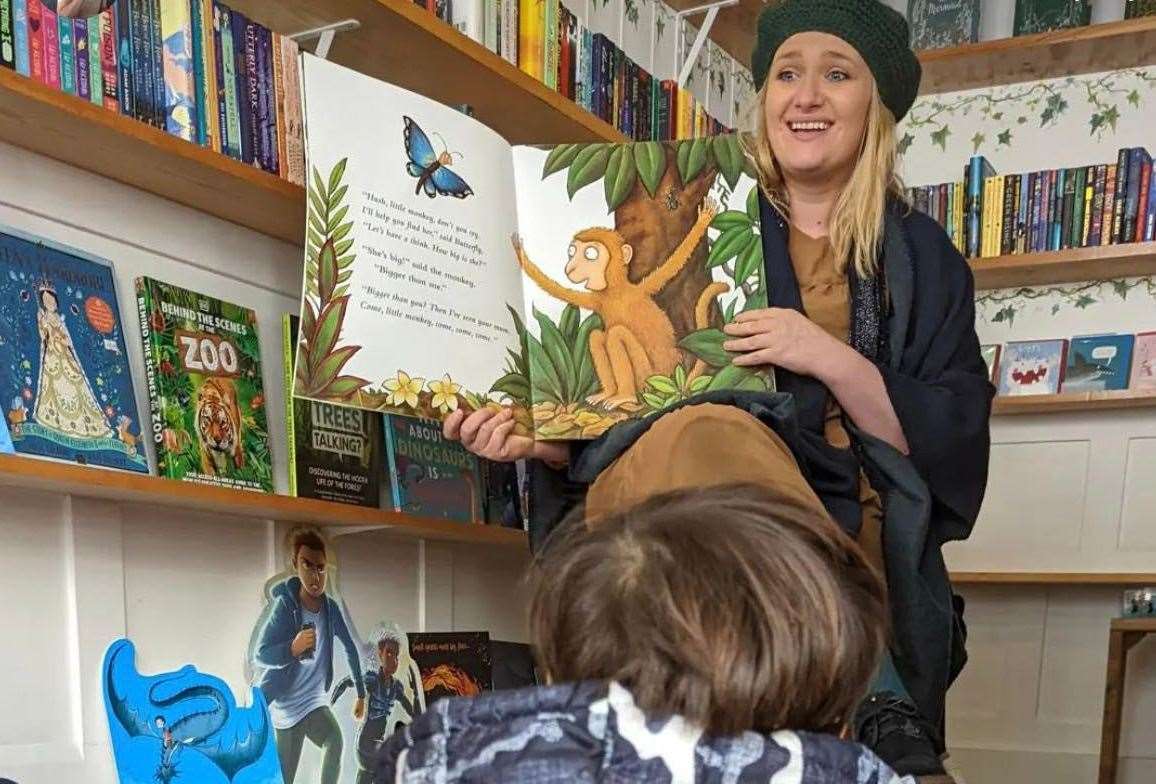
pixel 593 732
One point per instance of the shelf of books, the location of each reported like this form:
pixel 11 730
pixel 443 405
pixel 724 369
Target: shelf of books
pixel 123 486
pixel 77 132
pixel 1065 266
pixel 406 45
pixel 1006 405
pixel 1098 47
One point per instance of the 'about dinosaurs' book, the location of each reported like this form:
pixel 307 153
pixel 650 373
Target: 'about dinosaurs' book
pixel 581 283
pixel 66 382
pixel 429 476
pixel 334 451
pixel 203 364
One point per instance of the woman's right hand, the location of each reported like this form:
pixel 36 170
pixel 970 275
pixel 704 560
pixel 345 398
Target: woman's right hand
pixel 489 433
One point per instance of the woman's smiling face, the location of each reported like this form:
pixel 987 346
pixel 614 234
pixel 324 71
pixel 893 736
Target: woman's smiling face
pixel 819 91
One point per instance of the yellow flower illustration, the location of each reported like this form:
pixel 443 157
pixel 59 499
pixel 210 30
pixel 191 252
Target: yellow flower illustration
pixel 403 390
pixel 445 394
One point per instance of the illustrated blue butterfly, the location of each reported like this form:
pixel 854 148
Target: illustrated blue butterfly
pixel 429 167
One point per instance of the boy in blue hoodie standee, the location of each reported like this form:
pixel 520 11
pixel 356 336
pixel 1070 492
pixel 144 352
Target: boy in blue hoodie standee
pixel 384 692
pixel 293 654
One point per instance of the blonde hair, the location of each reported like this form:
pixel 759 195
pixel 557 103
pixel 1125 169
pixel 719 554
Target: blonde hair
pixel 856 222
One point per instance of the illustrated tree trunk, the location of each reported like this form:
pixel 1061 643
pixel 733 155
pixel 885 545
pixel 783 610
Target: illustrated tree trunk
pixel 654 230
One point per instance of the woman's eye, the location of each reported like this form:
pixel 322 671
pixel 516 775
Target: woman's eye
pixel 786 75
pixel 838 76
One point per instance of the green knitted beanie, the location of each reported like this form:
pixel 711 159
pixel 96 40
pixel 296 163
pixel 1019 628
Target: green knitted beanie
pixel 877 32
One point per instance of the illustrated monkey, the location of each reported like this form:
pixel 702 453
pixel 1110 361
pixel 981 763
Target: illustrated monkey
pixel 638 340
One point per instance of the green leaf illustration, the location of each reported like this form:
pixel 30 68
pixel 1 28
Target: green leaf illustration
pixel 559 158
pixel 750 259
pixel 729 220
pixel 729 158
pixel 753 205
pixel 650 160
pixel 706 344
pixel 729 244
pixel 620 177
pixel 588 166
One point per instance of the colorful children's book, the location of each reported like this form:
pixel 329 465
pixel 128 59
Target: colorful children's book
pixel 1032 367
pixel 583 284
pixel 1144 362
pixel 334 451
pixel 991 359
pixel 67 383
pixel 1098 362
pixel 452 664
pixel 203 363
pixel 429 476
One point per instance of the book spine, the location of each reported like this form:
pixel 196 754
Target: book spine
pixel 226 82
pixel 1048 187
pixel 550 26
pixel 7 36
pixel 943 205
pixel 1142 201
pixel 957 217
pixel 1007 217
pixel 20 41
pixel 1033 210
pixel 287 353
pixel 987 201
pixel 251 93
pixel 1122 171
pixel 294 143
pixel 95 53
pixel 245 131
pixel 1066 209
pixel 277 58
pixel 395 485
pixel 1110 183
pixel 180 111
pixel 1084 196
pixel 490 25
pixel 200 82
pixel 1055 221
pixel 565 84
pixel 1024 209
pixel 67 54
pixel 531 17
pixel 266 123
pixel 510 30
pixel 1150 213
pixel 37 68
pixel 209 110
pixel 156 401
pixel 1131 195
pixel 1001 189
pixel 1097 207
pixel 142 76
pixel 974 181
pixel 1076 224
pixel 125 76
pixel 157 65
pixel 81 58
pixel 51 30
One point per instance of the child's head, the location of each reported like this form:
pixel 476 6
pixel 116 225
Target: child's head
pixel 388 651
pixel 726 606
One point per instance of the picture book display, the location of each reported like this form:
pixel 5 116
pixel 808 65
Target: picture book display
pixel 1038 16
pixel 939 23
pixel 334 451
pixel 583 284
pixel 430 476
pixel 1144 362
pixel 1032 367
pixel 452 664
pixel 203 364
pixel 1098 362
pixel 66 382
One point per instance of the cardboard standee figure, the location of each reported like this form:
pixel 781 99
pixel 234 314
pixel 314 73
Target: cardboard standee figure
pixel 183 726
pixel 386 694
pixel 292 653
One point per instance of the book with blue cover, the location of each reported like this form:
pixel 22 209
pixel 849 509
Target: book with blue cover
pixel 1099 362
pixel 429 476
pixel 66 383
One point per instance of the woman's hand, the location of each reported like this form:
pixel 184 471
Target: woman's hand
pixel 787 339
pixel 489 433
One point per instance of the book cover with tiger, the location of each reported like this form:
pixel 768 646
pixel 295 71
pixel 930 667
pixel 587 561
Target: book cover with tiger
pixel 203 367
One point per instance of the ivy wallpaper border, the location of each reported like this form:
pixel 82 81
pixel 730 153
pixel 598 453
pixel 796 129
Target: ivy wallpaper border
pixel 1003 305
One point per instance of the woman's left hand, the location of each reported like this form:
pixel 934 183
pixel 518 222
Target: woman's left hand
pixel 785 338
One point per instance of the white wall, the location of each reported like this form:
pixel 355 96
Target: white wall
pixel 76 573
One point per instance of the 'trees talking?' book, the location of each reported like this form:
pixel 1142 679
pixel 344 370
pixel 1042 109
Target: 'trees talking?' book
pixel 582 283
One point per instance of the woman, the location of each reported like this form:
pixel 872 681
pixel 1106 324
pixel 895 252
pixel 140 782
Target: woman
pixel 64 398
pixel 871 331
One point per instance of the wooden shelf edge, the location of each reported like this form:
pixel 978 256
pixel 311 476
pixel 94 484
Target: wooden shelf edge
pixel 1053 578
pixel 82 134
pixel 127 487
pixel 1065 266
pixel 1012 405
pixel 1103 46
pixel 476 51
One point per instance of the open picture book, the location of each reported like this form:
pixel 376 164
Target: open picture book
pixel 582 284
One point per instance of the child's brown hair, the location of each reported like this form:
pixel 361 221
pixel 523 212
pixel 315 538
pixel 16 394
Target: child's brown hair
pixel 724 605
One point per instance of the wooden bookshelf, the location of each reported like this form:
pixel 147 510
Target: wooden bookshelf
pixel 406 45
pixel 1009 405
pixel 1066 266
pixel 1054 578
pixel 1098 47
pixel 71 479
pixel 76 132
